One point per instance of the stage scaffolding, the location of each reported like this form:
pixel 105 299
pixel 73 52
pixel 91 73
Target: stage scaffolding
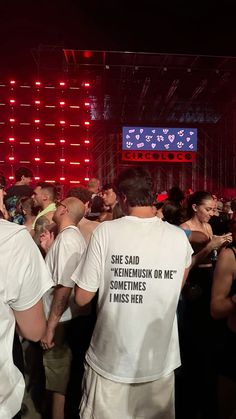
pixel 148 89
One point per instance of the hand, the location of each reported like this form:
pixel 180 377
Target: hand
pixel 218 241
pixel 47 341
pixel 46 239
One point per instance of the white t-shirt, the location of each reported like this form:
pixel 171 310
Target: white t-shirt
pixel 138 265
pixel 61 260
pixel 23 280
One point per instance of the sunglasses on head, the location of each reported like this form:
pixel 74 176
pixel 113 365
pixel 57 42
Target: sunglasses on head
pixel 59 203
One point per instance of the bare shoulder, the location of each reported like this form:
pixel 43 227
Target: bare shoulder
pixel 185 226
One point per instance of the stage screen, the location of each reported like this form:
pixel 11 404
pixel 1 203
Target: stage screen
pixel 159 139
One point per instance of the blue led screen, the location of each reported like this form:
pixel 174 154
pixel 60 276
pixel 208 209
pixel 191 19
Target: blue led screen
pixel 155 138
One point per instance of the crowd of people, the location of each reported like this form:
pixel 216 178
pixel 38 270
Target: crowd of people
pixel 115 303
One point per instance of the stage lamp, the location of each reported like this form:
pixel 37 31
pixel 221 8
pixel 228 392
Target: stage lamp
pixel 86 141
pixel 86 84
pixel 62 122
pixel 11 177
pixel 12 120
pixel 87 54
pixel 86 104
pixel 37 102
pixel 86 160
pixel 62 160
pixel 37 121
pixel 62 141
pixel 62 103
pixel 12 101
pixel 37 177
pixel 11 158
pixel 86 123
pixel 37 158
pixel 11 139
pixel 38 83
pixel 62 178
pixel 86 178
pixel 12 82
pixel 62 83
pixel 37 140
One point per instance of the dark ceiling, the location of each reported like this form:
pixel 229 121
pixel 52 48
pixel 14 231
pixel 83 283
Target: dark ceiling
pixel 149 88
pixel 187 73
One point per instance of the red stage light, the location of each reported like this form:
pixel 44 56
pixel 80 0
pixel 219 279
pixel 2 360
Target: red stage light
pixel 11 158
pixel 86 123
pixel 86 160
pixel 62 103
pixel 62 122
pixel 37 102
pixel 37 140
pixel 37 158
pixel 12 101
pixel 62 141
pixel 12 119
pixel 86 178
pixel 38 83
pixel 86 104
pixel 62 178
pixel 37 121
pixel 86 84
pixel 11 177
pixel 87 54
pixel 11 139
pixel 63 160
pixel 62 83
pixel 12 82
pixel 86 142
pixel 37 177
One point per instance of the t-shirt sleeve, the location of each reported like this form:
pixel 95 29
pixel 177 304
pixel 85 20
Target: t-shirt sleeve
pixel 69 254
pixel 28 277
pixel 89 271
pixel 189 252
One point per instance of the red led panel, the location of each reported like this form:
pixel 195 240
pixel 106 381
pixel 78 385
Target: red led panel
pixel 45 126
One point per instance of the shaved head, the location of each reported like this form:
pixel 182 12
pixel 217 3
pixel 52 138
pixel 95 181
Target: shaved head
pixel 76 208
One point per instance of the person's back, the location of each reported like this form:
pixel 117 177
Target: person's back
pixel 144 283
pixel 138 264
pixel 23 280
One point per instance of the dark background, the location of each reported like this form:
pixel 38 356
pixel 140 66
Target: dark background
pixel 188 27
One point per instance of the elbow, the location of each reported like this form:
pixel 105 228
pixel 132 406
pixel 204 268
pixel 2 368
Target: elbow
pixel 216 312
pixel 38 333
pixel 34 335
pixel 80 301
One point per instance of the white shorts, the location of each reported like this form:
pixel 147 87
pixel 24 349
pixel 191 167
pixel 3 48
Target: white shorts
pixel 106 399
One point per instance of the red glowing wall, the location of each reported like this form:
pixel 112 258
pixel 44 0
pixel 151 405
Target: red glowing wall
pixel 46 127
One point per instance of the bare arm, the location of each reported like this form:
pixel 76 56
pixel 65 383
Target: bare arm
pixel 2 206
pixel 31 323
pixel 221 304
pixel 215 243
pixel 83 297
pixel 59 305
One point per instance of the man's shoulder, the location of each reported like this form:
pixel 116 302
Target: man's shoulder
pixel 173 229
pixel 70 233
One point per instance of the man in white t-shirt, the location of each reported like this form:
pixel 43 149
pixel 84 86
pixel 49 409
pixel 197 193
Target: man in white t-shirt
pixel 138 264
pixel 24 279
pixel 62 258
